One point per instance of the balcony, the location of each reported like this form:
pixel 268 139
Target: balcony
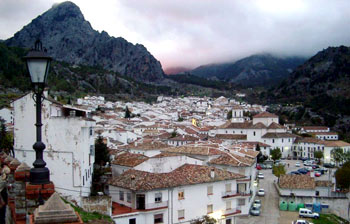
pixel 230 194
pixel 232 211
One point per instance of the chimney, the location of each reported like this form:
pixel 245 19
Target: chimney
pixel 212 172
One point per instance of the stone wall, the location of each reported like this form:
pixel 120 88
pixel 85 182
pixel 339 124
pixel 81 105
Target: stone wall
pixel 100 204
pixel 23 197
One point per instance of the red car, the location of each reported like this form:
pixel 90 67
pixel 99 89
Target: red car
pixel 258 167
pixel 317 174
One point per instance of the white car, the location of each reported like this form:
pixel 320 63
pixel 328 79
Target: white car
pixel 260 175
pixel 261 192
pixel 257 203
pixel 304 212
pixel 300 221
pixel 297 164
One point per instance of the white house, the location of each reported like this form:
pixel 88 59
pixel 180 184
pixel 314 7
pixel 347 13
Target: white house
pixel 145 197
pixel 326 135
pixel 6 114
pixel 68 134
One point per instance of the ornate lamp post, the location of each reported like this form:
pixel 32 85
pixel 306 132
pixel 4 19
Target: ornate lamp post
pixel 38 63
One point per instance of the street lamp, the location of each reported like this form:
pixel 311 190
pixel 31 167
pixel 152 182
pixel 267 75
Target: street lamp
pixel 38 63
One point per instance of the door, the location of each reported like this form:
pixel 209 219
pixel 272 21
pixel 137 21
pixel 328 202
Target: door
pixel 140 201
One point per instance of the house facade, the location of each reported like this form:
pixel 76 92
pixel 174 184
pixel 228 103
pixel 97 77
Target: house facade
pixel 68 134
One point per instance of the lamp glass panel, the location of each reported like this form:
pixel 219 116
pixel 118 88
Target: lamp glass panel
pixel 37 70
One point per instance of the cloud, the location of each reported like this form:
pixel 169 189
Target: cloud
pixel 195 32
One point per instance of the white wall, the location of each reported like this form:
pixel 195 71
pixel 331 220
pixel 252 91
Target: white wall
pixel 7 115
pixel 67 141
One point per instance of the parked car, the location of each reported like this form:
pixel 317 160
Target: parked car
pixel 295 173
pixel 257 203
pixel 260 175
pixel 300 221
pixel 297 164
pixel 317 174
pixel 254 210
pixel 304 212
pixel 268 166
pixel 261 192
pixel 303 170
pixel 258 167
pixel 329 165
pixel 263 166
pixel 321 170
pixel 315 166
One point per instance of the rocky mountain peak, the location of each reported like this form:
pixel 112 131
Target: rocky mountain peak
pixel 69 37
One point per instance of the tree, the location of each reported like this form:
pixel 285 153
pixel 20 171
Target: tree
pixel 229 115
pixel 337 155
pixel 278 170
pixel 347 156
pixel 318 155
pixel 6 138
pixel 342 176
pixel 204 220
pixel 275 154
pixel 261 158
pixel 173 134
pixel 127 112
pixel 101 152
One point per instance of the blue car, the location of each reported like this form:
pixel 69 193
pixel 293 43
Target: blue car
pixel 295 173
pixel 303 171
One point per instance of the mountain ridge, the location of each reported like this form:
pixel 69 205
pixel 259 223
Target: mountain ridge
pixel 258 69
pixel 70 38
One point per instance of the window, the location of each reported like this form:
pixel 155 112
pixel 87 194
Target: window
pixel 181 195
pixel 92 150
pixel 181 214
pixel 121 195
pixel 228 187
pixel 132 221
pixel 229 221
pixel 128 197
pixel 241 202
pixel 209 209
pixel 91 131
pixel 282 140
pixel 254 133
pixel 273 140
pixel 228 205
pixel 158 197
pixel 158 218
pixel 210 190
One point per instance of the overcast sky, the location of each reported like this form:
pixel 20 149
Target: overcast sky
pixel 194 32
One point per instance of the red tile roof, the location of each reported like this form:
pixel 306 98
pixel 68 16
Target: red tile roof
pixel 187 174
pixel 265 115
pixel 129 159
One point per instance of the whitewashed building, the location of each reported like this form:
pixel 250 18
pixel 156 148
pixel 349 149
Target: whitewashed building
pixel 146 197
pixel 68 134
pixel 6 114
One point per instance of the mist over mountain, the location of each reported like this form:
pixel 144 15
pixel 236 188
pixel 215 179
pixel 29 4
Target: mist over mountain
pixel 261 69
pixel 70 38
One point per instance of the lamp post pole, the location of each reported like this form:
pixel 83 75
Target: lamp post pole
pixel 38 63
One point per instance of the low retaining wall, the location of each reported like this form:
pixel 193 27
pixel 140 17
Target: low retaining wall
pixel 100 204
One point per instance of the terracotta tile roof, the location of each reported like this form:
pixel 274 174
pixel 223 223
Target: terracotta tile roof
pixel 230 159
pixel 336 144
pixel 259 125
pixel 146 144
pixel 187 174
pixel 309 140
pixel 129 159
pixel 297 182
pixel 265 115
pixel 278 135
pixel 165 154
pixel 274 125
pixel 315 128
pixel 194 150
pixel 184 138
pixel 249 153
pixel 324 133
pixel 323 183
pixel 230 125
pixel 231 136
